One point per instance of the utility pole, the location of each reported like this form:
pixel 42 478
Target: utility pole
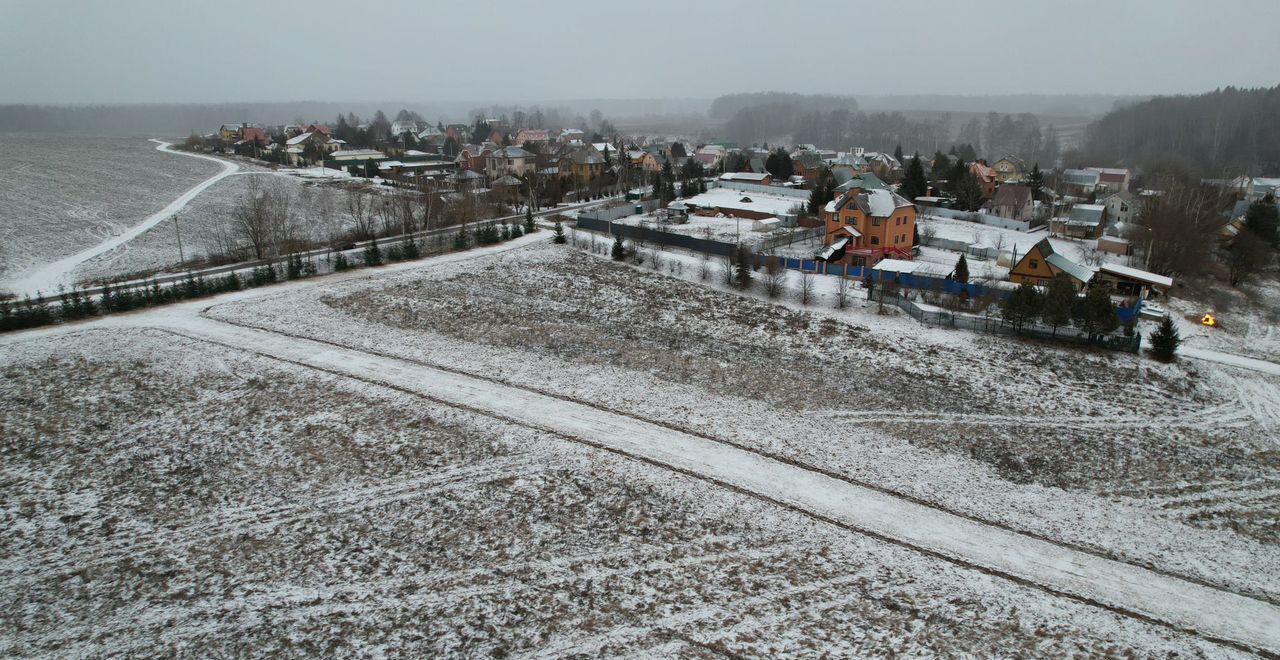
pixel 177 230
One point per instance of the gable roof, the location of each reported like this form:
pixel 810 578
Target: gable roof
pixel 1080 177
pixel 510 152
pixel 866 181
pixel 1012 194
pixel 584 155
pixel 1086 214
pixel 1045 248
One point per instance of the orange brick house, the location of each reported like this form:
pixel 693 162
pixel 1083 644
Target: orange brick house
pixel 865 225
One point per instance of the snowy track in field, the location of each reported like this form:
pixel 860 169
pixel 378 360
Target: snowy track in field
pixel 1131 590
pixel 47 278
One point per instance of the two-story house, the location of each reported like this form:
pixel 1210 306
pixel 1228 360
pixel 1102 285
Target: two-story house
pixel 864 225
pixel 509 160
pixel 1010 168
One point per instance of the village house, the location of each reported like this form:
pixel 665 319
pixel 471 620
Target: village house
pixel 509 160
pixel 400 127
pixel 1122 206
pixel 866 225
pixel 1078 183
pixel 572 135
pixel 582 164
pixel 533 136
pixel 311 145
pixel 1013 200
pixel 1084 221
pixel 1261 187
pixel 643 160
pixel 1041 264
pixel 986 177
pixel 807 163
pixel 1111 179
pixel 1010 168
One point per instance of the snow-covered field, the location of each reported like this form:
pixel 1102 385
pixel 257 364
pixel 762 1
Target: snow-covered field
pixel 62 194
pixel 247 503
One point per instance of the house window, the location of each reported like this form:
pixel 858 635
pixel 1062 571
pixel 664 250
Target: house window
pixel 875 240
pixel 1034 264
pixel 875 222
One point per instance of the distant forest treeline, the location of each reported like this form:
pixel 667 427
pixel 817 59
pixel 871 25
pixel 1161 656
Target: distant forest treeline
pixel 167 120
pixel 178 120
pixel 1221 134
pixel 835 122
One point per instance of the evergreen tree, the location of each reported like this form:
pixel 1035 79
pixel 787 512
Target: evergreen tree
pixel 1098 315
pixel 372 255
pixel 1263 219
pixel 529 226
pixel 460 240
pixel 965 187
pixel 1036 181
pixel 914 183
pixel 619 252
pixel 1165 340
pixel 411 250
pixel 962 270
pixel 340 262
pixel 1059 300
pixel 742 265
pixel 897 153
pixel 558 234
pixel 1021 306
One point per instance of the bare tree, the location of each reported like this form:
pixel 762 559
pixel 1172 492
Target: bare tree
pixel 806 287
pixel 774 276
pixel 1246 256
pixel 704 267
pixel 927 233
pixel 842 292
pixel 266 220
pixel 360 210
pixel 726 268
pixel 1182 222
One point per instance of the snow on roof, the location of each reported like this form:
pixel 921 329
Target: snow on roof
pixel 850 230
pixel 357 153
pixel 1081 273
pixel 728 198
pixel 299 139
pixel 743 176
pixel 1135 274
pixel 835 247
pixel 881 202
pixel 896 266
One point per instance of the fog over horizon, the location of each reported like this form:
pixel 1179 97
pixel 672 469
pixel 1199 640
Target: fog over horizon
pixel 231 51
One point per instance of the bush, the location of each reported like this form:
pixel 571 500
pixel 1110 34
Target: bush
pixel 340 263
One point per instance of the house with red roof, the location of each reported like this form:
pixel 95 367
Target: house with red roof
pixel 986 176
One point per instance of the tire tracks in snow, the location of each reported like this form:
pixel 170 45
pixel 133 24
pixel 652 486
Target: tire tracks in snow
pixel 256 519
pixel 1126 588
pixel 764 453
pixel 48 277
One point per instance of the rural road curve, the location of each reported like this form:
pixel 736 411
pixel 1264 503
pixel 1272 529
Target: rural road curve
pixel 48 277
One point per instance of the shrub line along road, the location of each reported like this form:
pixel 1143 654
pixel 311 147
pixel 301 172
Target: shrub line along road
pixel 1214 614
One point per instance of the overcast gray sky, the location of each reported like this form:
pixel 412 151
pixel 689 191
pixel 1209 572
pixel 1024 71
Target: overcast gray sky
pixel 91 51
